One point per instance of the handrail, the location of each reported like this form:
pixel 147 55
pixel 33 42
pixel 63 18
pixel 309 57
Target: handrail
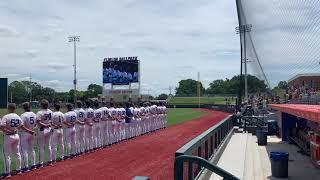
pixel 178 164
pixel 194 143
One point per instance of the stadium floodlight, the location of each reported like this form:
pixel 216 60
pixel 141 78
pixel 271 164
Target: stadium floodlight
pixel 243 29
pixel 74 39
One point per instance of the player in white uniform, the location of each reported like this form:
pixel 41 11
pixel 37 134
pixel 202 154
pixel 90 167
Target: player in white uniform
pixel 113 128
pixel 104 124
pixel 10 124
pixel 57 133
pixel 143 119
pixel 44 117
pixel 27 137
pixel 70 120
pixel 96 126
pixel 80 128
pixel 89 126
pixel 122 122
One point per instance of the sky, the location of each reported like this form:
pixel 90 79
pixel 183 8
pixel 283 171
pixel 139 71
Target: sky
pixel 174 39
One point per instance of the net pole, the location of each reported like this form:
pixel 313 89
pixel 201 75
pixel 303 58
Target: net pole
pixel 198 90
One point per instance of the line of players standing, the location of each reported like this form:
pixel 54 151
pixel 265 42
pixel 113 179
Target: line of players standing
pixel 80 130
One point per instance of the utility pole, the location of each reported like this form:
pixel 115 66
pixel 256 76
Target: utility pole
pixel 30 88
pixel 198 89
pixel 242 30
pixel 170 90
pixel 74 39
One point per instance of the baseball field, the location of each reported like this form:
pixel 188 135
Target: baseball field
pixel 175 116
pixel 149 155
pixel 203 100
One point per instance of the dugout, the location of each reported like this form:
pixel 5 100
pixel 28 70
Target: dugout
pixel 300 125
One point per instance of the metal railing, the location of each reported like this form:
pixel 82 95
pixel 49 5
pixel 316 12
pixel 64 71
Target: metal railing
pixel 203 163
pixel 208 145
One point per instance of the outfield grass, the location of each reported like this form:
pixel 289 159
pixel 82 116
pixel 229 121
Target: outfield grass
pixel 203 100
pixel 179 115
pixel 175 116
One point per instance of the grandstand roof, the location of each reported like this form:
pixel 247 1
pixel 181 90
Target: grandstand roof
pixel 303 75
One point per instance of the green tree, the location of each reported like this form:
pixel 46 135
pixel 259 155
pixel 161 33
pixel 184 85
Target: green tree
pixel 18 92
pixel 189 87
pixel 93 91
pixel 162 97
pixel 231 86
pixel 283 85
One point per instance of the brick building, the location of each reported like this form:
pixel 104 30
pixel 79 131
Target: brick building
pixel 310 80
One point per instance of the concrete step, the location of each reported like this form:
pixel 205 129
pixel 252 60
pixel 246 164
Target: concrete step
pixel 232 159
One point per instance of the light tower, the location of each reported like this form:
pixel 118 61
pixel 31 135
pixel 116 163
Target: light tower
pixel 243 29
pixel 74 39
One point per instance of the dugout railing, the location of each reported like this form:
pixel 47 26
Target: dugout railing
pixel 204 151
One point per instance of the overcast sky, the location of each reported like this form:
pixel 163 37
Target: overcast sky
pixel 174 39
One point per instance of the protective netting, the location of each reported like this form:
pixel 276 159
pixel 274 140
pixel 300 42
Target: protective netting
pixel 285 37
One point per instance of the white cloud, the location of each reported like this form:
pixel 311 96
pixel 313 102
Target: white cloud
pixel 7 31
pixel 169 37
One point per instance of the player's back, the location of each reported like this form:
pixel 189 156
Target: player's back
pixel 11 121
pixel 29 120
pixel 89 115
pixel 70 116
pixel 80 114
pixel 97 114
pixel 58 118
pixel 45 115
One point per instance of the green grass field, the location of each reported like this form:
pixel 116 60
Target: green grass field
pixel 203 100
pixel 175 116
pixel 179 115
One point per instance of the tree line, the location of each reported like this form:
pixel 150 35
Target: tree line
pixel 190 87
pixel 22 91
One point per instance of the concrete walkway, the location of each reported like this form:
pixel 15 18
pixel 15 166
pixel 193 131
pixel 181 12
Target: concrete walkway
pixel 246 160
pixel 233 158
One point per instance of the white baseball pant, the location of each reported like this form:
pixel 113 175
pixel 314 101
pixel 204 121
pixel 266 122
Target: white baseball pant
pixel 104 132
pixel 27 149
pixel 11 144
pixel 80 135
pixel 71 141
pixel 96 135
pixel 57 142
pixel 89 137
pixel 44 144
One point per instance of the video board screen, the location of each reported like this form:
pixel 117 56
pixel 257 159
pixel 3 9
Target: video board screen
pixel 121 72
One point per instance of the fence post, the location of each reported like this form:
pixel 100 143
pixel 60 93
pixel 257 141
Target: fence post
pixel 199 154
pixel 206 154
pixel 178 168
pixel 190 170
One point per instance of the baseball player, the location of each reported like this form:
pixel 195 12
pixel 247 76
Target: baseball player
pixel 80 128
pixel 96 126
pixel 143 119
pixel 28 119
pixel 57 133
pixel 128 121
pixel 89 126
pixel 104 123
pixel 113 128
pixel 44 117
pixel 70 121
pixel 122 121
pixel 10 124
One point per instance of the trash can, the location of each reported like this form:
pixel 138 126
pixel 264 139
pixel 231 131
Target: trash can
pixel 279 164
pixel 262 137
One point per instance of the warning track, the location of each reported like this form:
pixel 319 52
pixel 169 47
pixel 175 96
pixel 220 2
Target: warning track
pixel 149 155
